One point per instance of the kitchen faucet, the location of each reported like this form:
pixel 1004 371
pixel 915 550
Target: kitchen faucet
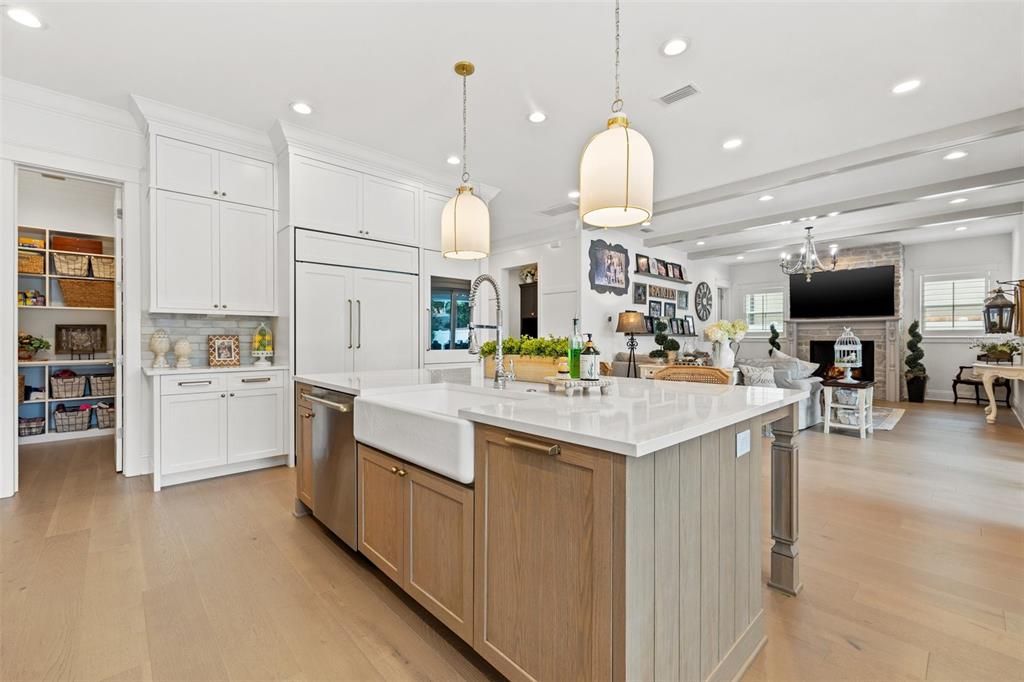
pixel 500 378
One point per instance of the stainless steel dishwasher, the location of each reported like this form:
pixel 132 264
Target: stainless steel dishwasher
pixel 334 461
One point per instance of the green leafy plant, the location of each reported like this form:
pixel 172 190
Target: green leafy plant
pixel 548 347
pixel 662 339
pixel 773 340
pixel 915 354
pixel 32 344
pixel 1005 346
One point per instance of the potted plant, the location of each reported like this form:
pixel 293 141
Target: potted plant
pixel 773 340
pixel 723 334
pixel 916 374
pixel 1000 349
pixel 533 359
pixel 662 339
pixel 29 345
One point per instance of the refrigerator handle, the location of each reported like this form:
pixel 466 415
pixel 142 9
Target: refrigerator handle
pixel 359 315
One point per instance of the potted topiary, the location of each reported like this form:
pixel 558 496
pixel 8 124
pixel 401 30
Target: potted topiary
pixel 29 345
pixel 662 339
pixel 773 340
pixel 916 374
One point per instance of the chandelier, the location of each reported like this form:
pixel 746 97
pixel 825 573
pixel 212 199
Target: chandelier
pixel 807 263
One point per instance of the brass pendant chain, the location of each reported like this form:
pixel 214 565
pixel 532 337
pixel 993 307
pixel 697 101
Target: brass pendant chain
pixel 465 171
pixel 617 103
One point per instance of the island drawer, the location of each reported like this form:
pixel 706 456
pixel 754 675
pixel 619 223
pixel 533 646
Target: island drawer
pixel 192 383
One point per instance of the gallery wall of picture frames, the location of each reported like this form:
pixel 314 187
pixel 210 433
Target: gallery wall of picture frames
pixel 660 268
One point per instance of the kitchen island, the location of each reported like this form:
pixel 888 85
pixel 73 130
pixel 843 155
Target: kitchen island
pixel 597 537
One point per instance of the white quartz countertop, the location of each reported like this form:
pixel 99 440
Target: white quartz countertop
pixel 637 417
pixel 156 372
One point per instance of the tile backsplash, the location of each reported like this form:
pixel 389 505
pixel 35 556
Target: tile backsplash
pixel 196 328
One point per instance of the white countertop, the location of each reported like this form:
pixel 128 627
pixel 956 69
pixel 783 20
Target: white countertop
pixel 637 417
pixel 156 372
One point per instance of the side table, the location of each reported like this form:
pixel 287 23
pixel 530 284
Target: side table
pixel 861 410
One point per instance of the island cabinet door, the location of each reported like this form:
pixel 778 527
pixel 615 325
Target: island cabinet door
pixel 439 546
pixel 304 453
pixel 382 511
pixel 544 557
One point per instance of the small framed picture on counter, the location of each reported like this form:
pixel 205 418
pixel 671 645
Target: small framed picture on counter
pixel 224 350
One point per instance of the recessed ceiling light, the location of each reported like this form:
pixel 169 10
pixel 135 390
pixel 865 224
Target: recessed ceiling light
pixel 732 143
pixel 302 108
pixel 906 86
pixel 960 229
pixel 701 243
pixel 674 47
pixel 24 17
pixel 954 155
pixel 537 117
pixel 454 160
pixel 765 197
pixel 833 214
pixel 574 194
pixel 739 257
pixel 958 200
pixel 786 222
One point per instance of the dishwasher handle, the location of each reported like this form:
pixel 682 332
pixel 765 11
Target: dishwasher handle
pixel 340 407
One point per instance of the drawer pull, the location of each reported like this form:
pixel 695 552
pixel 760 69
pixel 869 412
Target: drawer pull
pixel 552 450
pixel 260 380
pixel 195 383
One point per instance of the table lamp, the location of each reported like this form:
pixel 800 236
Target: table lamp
pixel 631 322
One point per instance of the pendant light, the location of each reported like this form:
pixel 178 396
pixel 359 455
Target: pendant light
pixel 617 168
pixel 465 220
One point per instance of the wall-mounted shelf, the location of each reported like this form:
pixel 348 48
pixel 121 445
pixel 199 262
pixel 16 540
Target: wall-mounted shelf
pixel 65 363
pixel 674 336
pixel 662 277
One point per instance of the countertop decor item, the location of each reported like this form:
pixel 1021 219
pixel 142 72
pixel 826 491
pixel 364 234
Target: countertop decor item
pixel 571 386
pixel 465 219
pixel 702 301
pixel 723 334
pixel 808 262
pixel 262 346
pixel 160 343
pixel 631 322
pixel 916 374
pixel 223 350
pixel 849 355
pixel 534 358
pixel 609 268
pixel 29 345
pixel 617 168
pixel 998 312
pixel 182 351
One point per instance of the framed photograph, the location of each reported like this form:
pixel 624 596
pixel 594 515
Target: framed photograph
pixel 639 293
pixel 688 327
pixel 643 264
pixel 674 325
pixel 682 273
pixel 649 323
pixel 662 268
pixel 669 309
pixel 657 291
pixel 80 339
pixel 682 300
pixel 655 308
pixel 677 271
pixel 223 351
pixel 609 268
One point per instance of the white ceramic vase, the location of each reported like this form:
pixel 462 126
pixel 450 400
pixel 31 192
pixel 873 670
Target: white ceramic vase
pixel 160 343
pixel 725 356
pixel 182 351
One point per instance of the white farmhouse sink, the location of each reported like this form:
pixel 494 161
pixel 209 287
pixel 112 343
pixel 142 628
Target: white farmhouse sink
pixel 421 425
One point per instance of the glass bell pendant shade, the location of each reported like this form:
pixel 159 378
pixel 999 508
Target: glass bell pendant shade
pixel 617 177
pixel 465 226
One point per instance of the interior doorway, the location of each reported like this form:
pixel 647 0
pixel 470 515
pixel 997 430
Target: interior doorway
pixel 522 316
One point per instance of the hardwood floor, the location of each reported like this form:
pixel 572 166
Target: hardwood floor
pixel 912 549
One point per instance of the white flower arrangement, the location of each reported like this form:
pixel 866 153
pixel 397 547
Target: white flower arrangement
pixel 724 330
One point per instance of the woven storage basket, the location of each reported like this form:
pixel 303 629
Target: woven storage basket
pixel 70 387
pixel 102 384
pixel 82 293
pixel 31 426
pixel 106 417
pixel 21 388
pixel 75 244
pixel 72 420
pixel 30 263
pixel 103 267
pixel 71 265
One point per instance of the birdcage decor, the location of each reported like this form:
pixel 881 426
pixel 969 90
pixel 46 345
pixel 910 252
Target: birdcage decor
pixel 262 346
pixel 849 354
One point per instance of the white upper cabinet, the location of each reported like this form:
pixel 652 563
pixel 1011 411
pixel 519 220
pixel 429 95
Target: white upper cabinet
pixel 206 172
pixel 389 210
pixel 430 220
pixel 325 197
pixel 247 281
pixel 185 254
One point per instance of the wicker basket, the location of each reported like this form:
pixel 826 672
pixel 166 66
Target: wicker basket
pixel 83 293
pixel 21 388
pixel 71 265
pixel 103 267
pixel 75 244
pixel 102 384
pixel 30 263
pixel 72 420
pixel 31 426
pixel 106 417
pixel 69 387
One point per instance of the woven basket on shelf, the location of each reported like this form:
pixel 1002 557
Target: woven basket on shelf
pixel 82 293
pixel 21 388
pixel 31 426
pixel 68 387
pixel 106 417
pixel 71 265
pixel 72 420
pixel 103 267
pixel 102 384
pixel 30 263
pixel 76 244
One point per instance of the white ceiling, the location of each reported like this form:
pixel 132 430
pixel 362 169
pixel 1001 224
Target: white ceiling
pixel 798 82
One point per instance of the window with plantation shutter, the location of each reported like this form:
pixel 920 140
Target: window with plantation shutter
pixel 762 309
pixel 953 303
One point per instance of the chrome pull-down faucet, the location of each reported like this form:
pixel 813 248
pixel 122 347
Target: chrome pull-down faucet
pixel 500 378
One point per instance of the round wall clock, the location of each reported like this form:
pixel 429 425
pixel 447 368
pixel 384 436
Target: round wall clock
pixel 702 301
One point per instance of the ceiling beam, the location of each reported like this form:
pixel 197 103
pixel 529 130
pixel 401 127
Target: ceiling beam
pixel 1001 178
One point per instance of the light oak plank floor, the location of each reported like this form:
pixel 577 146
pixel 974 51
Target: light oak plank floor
pixel 912 550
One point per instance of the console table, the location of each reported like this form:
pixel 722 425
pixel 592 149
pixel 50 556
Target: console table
pixel 988 373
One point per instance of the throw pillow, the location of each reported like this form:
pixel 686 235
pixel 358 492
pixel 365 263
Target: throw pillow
pixel 804 368
pixel 758 376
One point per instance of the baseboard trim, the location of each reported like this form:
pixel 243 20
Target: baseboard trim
pixel 225 470
pixel 742 652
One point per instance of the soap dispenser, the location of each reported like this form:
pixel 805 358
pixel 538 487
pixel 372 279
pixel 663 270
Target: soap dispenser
pixel 590 361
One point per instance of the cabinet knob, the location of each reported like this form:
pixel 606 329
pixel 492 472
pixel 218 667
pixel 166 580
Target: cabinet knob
pixel 402 472
pixel 215 305
pixel 394 470
pixel 232 395
pixel 215 192
pixel 223 194
pixel 222 395
pixel 224 307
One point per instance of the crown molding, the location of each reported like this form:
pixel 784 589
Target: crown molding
pixel 539 237
pixel 67 105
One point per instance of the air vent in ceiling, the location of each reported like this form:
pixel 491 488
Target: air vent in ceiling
pixel 681 93
pixel 560 209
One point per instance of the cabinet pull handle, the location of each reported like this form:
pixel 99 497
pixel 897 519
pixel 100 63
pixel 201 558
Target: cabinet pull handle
pixel 260 380
pixel 350 323
pixel 428 328
pixel 195 383
pixel 543 448
pixel 359 315
pixel 329 403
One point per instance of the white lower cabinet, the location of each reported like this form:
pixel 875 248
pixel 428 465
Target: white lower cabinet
pixel 193 431
pixel 254 424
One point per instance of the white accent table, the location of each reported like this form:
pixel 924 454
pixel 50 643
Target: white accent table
pixel 988 373
pixel 862 410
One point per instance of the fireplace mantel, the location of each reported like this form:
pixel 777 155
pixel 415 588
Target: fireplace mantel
pixel 848 321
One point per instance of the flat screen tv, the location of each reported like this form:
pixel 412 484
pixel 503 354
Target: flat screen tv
pixel 860 292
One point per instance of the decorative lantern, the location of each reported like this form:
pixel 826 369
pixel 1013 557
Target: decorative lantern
pixel 998 313
pixel 849 354
pixel 262 346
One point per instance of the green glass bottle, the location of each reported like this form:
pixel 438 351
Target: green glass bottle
pixel 575 348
